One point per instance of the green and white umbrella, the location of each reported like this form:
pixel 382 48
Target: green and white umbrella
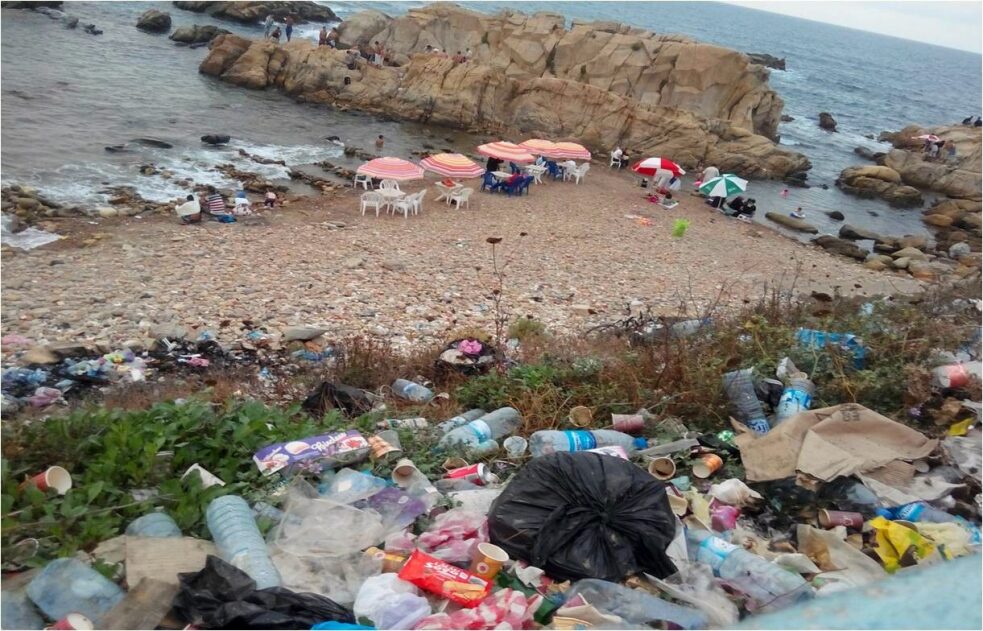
pixel 723 186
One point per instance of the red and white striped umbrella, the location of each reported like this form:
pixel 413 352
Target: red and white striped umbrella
pixel 649 166
pixel 391 169
pixel 929 137
pixel 538 146
pixel 452 165
pixel 569 151
pixel 506 151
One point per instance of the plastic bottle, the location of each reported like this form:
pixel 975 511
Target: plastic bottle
pixel 17 612
pixel 67 586
pixel 796 398
pixel 739 386
pixel 412 391
pixel 479 435
pixel 917 511
pixel 234 530
pixel 461 419
pixel 153 525
pixel 767 584
pixel 262 509
pixel 546 442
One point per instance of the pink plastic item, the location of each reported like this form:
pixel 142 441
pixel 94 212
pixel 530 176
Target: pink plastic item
pixel 505 609
pixel 469 347
pixel 455 535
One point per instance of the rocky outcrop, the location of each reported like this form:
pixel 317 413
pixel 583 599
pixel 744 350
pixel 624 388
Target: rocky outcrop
pixel 656 70
pixel 252 12
pixel 154 21
pixel 480 98
pixel 215 139
pixel 196 34
pixel 12 4
pixel 841 247
pixel 855 233
pixel 827 122
pixel 768 61
pixel 792 223
pixel 879 181
pixel 959 178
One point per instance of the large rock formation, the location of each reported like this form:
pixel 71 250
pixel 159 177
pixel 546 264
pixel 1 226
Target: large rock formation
pixel 482 98
pixel 252 12
pixel 879 181
pixel 959 179
pixel 656 70
pixel 154 21
pixel 196 34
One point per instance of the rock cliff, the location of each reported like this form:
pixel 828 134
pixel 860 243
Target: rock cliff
pixel 482 98
pixel 252 12
pixel 657 70
pixel 958 179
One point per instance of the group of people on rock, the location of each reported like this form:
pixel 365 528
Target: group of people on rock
pixel 271 30
pixel 211 203
pixel 939 150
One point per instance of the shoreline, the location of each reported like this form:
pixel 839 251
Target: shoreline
pixel 409 280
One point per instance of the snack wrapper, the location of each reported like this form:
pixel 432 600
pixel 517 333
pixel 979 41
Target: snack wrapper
pixel 446 580
pixel 334 449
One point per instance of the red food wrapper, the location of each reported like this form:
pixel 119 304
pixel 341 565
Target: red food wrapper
pixel 446 580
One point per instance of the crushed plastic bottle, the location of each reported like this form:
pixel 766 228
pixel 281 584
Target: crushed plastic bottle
pixel 796 398
pixel 412 391
pixel 739 386
pixel 234 530
pixel 480 435
pixel 460 419
pixel 546 442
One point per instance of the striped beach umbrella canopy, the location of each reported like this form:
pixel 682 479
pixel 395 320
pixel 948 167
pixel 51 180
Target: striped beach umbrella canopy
pixel 538 146
pixel 723 186
pixel 570 151
pixel 649 166
pixel 929 137
pixel 452 165
pixel 391 169
pixel 506 151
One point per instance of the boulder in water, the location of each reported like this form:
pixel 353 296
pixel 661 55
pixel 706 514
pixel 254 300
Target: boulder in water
pixel 827 122
pixel 153 142
pixel 835 215
pixel 252 12
pixel 215 139
pixel 154 21
pixel 785 118
pixel 792 223
pixel 768 61
pixel 854 233
pixel 91 29
pixel 196 34
pixel 841 247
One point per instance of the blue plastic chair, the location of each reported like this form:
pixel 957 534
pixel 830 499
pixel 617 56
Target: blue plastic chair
pixel 524 185
pixel 514 167
pixel 488 182
pixel 554 169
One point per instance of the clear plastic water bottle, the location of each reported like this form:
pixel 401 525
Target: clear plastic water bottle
pixel 739 386
pixel 153 525
pixel 412 391
pixel 234 530
pixel 461 419
pixel 796 398
pixel 546 442
pixel 767 584
pixel 67 586
pixel 262 509
pixel 480 434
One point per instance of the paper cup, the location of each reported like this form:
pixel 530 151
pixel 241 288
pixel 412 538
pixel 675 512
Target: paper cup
pixel 488 561
pixel 55 478
pixel 383 444
pixel 581 416
pixel 628 423
pixel 678 504
pixel 707 465
pixel 831 518
pixel 662 468
pixel 515 446
pixel 404 472
pixel 73 621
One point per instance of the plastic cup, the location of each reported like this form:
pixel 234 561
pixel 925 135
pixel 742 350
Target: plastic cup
pixel 628 423
pixel 404 472
pixel 515 446
pixel 454 463
pixel 581 416
pixel 832 518
pixel 488 561
pixel 707 465
pixel 662 468
pixel 56 478
pixel 73 621
pixel 384 443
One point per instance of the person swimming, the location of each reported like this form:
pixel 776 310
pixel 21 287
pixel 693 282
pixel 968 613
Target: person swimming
pixel 797 213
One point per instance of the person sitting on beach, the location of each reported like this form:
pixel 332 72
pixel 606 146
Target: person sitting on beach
pixel 242 204
pixel 322 36
pixel 189 211
pixel 467 54
pixel 798 213
pixel 736 204
pixel 268 26
pixel 747 210
pixel 933 151
pixel 616 156
pixel 275 35
pixel 624 158
pixel 215 202
pixel 269 200
pixel 429 49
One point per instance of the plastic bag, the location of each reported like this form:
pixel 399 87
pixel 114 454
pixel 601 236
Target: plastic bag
pixel 336 577
pixel 695 584
pixel 223 597
pixel 316 526
pixel 454 535
pixel 635 606
pixel 390 603
pixel 584 515
pixel 734 492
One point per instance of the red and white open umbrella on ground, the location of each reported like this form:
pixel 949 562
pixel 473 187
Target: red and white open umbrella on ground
pixel 453 165
pixel 929 137
pixel 506 151
pixel 569 151
pixel 391 169
pixel 649 166
pixel 538 146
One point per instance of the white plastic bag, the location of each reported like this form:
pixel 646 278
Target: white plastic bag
pixel 390 603
pixel 734 492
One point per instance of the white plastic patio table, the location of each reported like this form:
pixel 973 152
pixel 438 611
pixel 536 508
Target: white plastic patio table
pixel 391 195
pixel 502 175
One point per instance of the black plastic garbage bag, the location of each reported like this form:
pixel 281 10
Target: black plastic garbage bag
pixel 221 596
pixel 585 515
pixel 327 396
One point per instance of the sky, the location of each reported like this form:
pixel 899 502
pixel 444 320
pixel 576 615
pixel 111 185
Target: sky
pixel 950 24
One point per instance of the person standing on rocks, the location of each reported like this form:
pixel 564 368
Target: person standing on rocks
pixel 268 26
pixel 379 143
pixel 950 152
pixel 333 38
pixel 275 35
pixel 189 211
pixel 322 36
pixel 289 21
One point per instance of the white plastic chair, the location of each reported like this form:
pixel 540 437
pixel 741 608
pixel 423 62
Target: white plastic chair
pixel 418 202
pixel 371 198
pixel 364 180
pixel 568 168
pixel 536 172
pixel 462 197
pixel 615 162
pixel 410 203
pixel 581 171
pixel 389 185
pixel 446 192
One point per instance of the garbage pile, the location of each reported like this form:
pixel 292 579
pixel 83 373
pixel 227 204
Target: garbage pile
pixel 628 522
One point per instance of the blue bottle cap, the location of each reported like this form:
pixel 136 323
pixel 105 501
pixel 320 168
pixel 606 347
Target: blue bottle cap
pixel 640 443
